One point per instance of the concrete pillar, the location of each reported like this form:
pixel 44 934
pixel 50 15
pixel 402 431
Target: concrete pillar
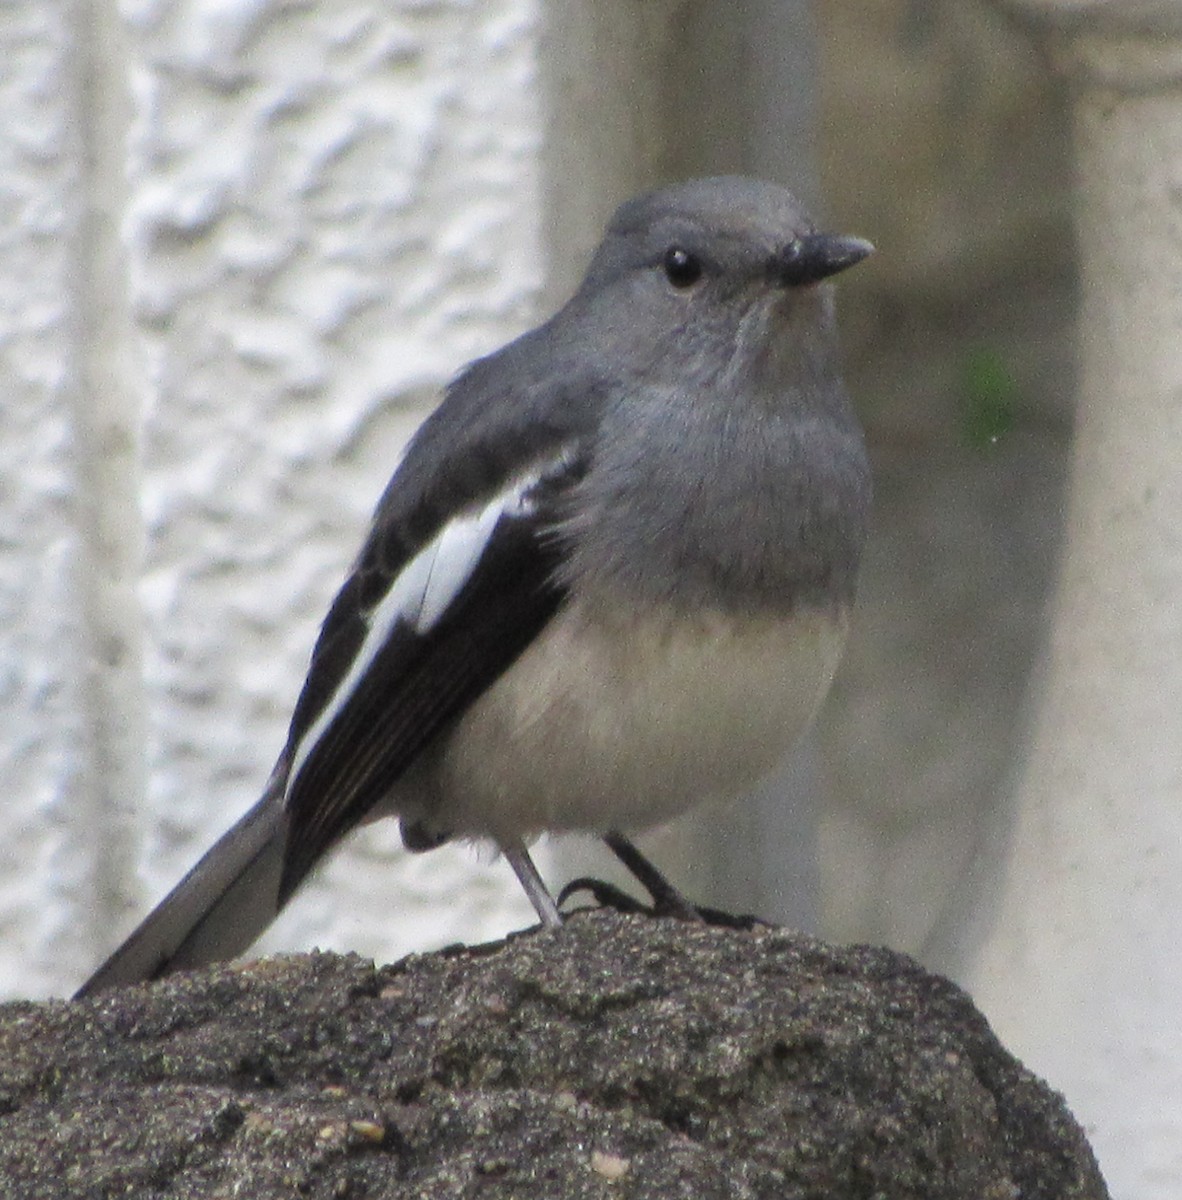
pixel 1080 968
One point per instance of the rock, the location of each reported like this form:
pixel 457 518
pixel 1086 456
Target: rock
pixel 620 1056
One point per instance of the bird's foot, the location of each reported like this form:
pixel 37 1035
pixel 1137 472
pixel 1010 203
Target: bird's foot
pixel 608 895
pixel 667 900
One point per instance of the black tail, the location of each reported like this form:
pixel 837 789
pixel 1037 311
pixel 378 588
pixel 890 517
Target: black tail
pixel 218 909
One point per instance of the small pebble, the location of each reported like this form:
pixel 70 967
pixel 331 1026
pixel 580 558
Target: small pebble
pixel 610 1166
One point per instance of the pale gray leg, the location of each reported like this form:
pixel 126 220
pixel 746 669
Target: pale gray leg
pixel 518 858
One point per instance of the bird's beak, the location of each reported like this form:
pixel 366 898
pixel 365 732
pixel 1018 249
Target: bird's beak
pixel 816 256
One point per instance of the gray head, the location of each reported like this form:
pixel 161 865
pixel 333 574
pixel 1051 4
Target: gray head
pixel 729 229
pixel 712 268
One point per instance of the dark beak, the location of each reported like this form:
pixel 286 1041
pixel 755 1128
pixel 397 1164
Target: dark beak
pixel 815 256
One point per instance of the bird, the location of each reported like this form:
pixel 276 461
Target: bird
pixel 609 579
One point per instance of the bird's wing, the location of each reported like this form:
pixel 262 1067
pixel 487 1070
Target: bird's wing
pixel 420 629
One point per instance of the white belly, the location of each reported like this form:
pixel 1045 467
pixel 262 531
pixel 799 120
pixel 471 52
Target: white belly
pixel 621 722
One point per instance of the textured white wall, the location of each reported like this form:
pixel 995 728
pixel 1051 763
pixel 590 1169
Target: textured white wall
pixel 42 747
pixel 241 245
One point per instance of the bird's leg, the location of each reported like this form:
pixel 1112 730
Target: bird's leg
pixel 667 900
pixel 518 858
pixel 605 894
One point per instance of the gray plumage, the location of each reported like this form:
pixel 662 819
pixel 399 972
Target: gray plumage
pixel 608 580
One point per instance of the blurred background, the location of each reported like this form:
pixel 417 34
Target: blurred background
pixel 244 242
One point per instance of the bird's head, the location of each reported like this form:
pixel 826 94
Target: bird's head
pixel 712 268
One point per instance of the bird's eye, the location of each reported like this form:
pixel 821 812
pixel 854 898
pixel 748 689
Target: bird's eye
pixel 682 268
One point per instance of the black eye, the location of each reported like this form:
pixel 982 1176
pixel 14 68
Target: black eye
pixel 682 268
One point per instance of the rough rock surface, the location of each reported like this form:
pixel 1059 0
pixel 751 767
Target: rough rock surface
pixel 619 1057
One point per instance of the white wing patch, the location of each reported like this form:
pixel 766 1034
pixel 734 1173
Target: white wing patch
pixel 423 591
pixel 452 557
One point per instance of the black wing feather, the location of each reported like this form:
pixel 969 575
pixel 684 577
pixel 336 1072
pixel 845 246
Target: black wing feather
pixel 529 404
pixel 418 684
